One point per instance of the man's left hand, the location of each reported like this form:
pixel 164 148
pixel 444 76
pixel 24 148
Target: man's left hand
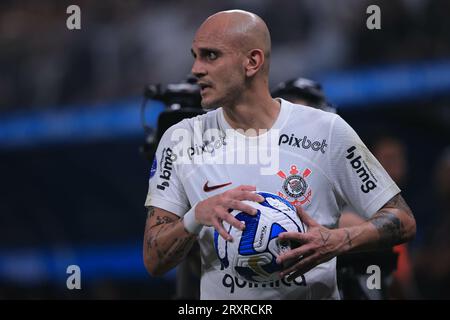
pixel 317 245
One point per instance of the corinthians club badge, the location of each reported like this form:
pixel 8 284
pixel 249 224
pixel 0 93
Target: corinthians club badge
pixel 295 187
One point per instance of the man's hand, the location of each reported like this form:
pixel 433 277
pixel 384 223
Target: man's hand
pixel 317 245
pixel 214 210
pixel 393 224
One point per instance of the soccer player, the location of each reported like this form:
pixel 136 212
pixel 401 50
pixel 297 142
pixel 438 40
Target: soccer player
pixel 206 166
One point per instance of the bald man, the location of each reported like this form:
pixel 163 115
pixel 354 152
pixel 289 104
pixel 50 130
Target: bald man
pixel 209 165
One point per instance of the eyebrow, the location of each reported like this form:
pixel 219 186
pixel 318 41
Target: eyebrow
pixel 204 50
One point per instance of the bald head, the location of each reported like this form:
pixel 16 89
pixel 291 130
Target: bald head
pixel 243 30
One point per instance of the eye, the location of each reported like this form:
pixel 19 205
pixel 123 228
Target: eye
pixel 193 54
pixel 211 55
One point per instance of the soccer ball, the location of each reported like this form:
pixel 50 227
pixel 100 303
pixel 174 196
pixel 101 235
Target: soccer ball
pixel 253 252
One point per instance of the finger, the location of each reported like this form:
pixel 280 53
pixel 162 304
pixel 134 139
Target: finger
pixel 239 205
pixel 300 271
pixel 248 195
pixel 221 230
pixel 293 235
pixel 291 269
pixel 294 254
pixel 294 275
pixel 310 222
pixel 302 266
pixel 226 216
pixel 245 187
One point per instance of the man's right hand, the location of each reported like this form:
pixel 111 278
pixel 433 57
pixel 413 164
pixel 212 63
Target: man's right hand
pixel 214 210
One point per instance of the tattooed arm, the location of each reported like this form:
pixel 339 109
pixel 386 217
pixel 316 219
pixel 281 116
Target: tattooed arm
pixel 166 242
pixel 393 224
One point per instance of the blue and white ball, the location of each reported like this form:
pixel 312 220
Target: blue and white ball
pixel 253 252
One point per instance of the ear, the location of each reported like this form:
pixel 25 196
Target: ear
pixel 254 62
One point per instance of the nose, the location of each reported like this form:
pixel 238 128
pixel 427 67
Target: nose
pixel 198 69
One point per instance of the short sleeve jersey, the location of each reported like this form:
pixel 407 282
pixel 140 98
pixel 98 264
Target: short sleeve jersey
pixel 309 157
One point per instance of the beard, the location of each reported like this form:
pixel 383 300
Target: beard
pixel 228 99
pixel 210 107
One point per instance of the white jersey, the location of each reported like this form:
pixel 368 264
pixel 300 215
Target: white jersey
pixel 316 160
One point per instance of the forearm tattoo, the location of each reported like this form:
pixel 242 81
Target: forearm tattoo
pixel 347 238
pixel 389 226
pixel 399 202
pixel 175 251
pixel 150 212
pixel 325 236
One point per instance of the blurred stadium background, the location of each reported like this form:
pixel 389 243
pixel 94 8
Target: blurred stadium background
pixel 73 181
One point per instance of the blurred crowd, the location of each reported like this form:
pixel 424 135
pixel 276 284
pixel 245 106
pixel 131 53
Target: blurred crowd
pixel 432 259
pixel 123 45
pixel 423 266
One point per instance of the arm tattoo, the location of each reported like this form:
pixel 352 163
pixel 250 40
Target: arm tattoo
pixel 150 212
pixel 388 224
pixel 347 237
pixel 162 220
pixel 398 202
pixel 324 237
pixel 389 228
pixel 177 250
pixel 152 236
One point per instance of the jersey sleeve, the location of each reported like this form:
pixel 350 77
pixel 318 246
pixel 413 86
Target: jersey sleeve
pixel 357 176
pixel 166 190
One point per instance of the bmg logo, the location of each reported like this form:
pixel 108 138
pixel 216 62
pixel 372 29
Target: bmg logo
pixel 362 169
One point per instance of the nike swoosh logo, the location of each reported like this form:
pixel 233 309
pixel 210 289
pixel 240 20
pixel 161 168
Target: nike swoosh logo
pixel 207 188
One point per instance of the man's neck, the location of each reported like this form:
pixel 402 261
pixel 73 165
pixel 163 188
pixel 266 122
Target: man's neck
pixel 258 114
